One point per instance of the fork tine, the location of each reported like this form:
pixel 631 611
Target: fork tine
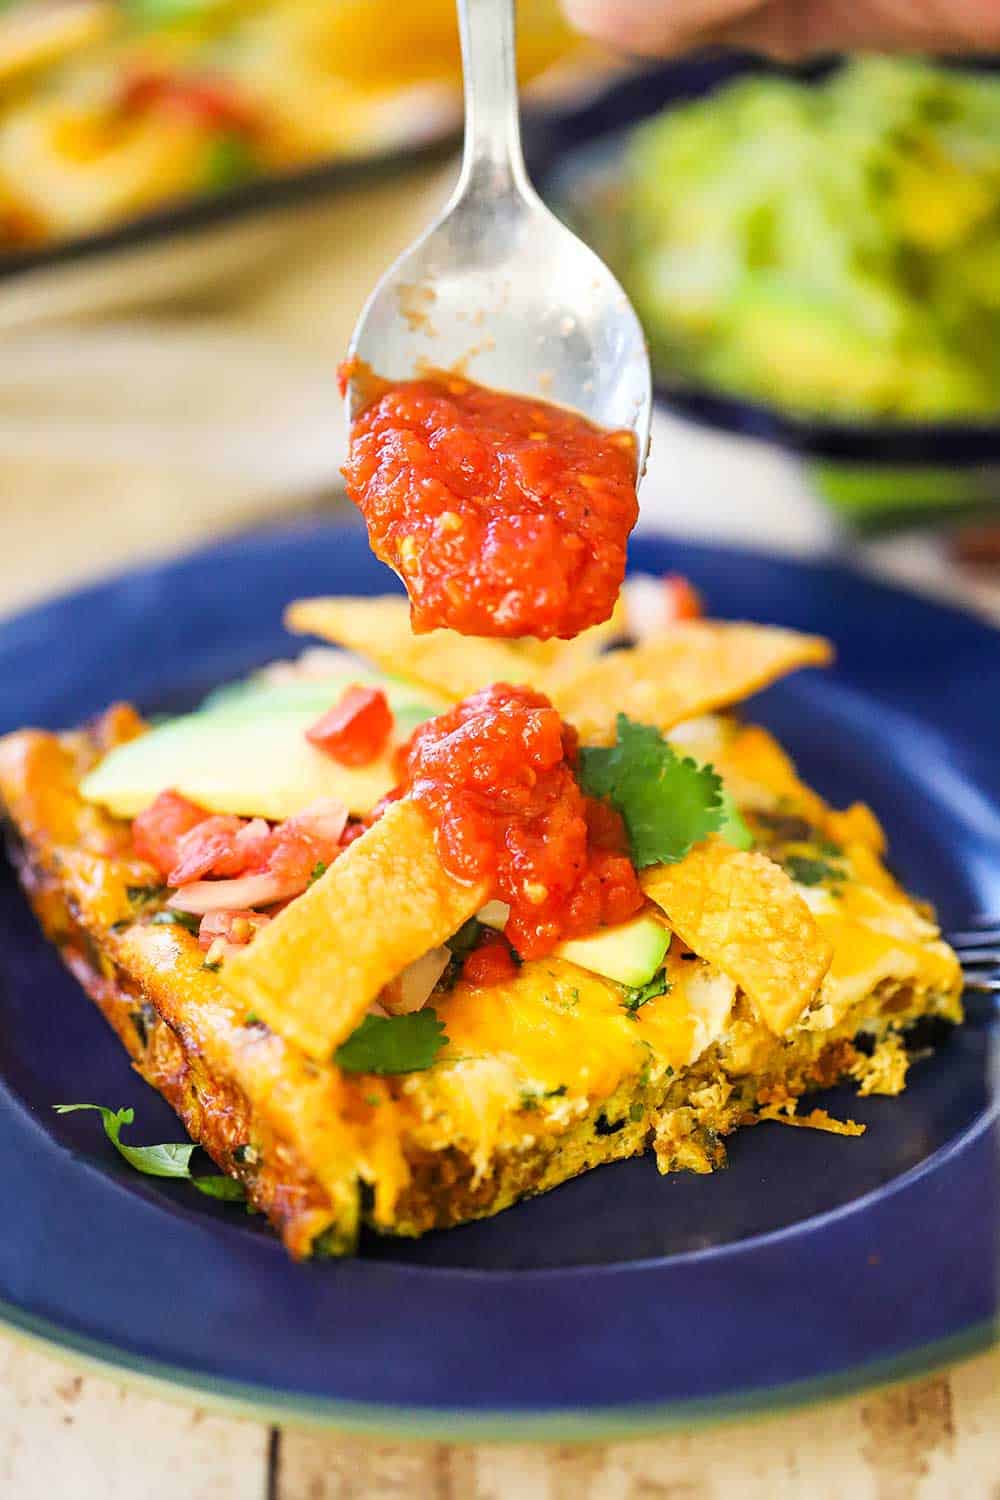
pixel 979 958
pixel 984 938
pixel 977 948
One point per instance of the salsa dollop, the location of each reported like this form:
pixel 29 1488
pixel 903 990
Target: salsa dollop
pixel 496 775
pixel 503 515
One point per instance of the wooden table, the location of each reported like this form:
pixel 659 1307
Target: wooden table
pixel 63 1434
pixel 73 451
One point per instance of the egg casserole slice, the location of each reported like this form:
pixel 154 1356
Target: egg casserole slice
pixel 793 960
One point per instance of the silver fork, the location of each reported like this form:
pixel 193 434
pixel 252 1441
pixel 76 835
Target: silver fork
pixel 978 951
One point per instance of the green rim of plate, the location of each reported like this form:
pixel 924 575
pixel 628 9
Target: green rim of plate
pixel 583 1425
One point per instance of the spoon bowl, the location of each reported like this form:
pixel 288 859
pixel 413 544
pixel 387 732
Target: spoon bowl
pixel 498 289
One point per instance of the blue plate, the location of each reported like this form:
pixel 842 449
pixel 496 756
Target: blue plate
pixel 622 1301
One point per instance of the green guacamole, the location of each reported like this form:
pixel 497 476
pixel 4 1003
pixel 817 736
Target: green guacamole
pixel 833 249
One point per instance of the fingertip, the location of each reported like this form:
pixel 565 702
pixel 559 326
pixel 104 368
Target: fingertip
pixel 626 25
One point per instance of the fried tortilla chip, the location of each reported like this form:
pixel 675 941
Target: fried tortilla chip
pixel 693 668
pixel 312 973
pixel 552 662
pixel 740 912
pixel 379 629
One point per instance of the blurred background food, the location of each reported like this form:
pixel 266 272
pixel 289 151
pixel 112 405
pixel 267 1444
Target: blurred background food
pixel 830 246
pixel 110 108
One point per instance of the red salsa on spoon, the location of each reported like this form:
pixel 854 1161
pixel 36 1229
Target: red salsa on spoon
pixel 503 515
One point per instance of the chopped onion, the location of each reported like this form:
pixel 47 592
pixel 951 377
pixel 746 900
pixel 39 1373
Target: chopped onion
pixel 647 607
pixel 235 928
pixel 709 997
pixel 203 896
pixel 412 989
pixel 315 664
pixel 325 819
pixel 495 914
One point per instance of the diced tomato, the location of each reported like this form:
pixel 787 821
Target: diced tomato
pixel 683 600
pixel 213 102
pixel 236 927
pixel 188 845
pixel 251 848
pixel 228 848
pixel 157 832
pixel 323 823
pixel 294 855
pixel 491 962
pixel 210 848
pixel 356 730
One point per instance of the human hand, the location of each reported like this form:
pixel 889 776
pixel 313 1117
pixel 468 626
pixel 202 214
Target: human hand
pixel 791 29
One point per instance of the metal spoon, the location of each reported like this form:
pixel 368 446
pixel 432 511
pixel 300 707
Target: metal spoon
pixel 498 288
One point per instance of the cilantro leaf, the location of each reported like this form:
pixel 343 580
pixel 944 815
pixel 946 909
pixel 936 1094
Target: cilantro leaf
pixel 667 803
pixel 172 1159
pixel 229 161
pixel 172 918
pixel 465 939
pixel 227 1189
pixel 460 945
pixel 156 1161
pixel 393 1044
pixel 139 895
pixel 733 827
pixel 808 871
pixel 635 999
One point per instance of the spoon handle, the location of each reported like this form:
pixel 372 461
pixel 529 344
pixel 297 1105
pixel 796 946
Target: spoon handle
pixel 492 156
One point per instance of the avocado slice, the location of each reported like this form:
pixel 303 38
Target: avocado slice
pixel 630 953
pixel 410 705
pixel 733 828
pixel 247 754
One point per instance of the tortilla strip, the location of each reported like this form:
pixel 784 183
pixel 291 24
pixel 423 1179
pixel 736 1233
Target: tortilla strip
pixel 312 973
pixel 379 629
pixel 555 661
pixel 691 669
pixel 740 912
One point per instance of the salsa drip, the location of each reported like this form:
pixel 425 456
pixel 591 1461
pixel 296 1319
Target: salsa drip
pixel 496 776
pixel 503 515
